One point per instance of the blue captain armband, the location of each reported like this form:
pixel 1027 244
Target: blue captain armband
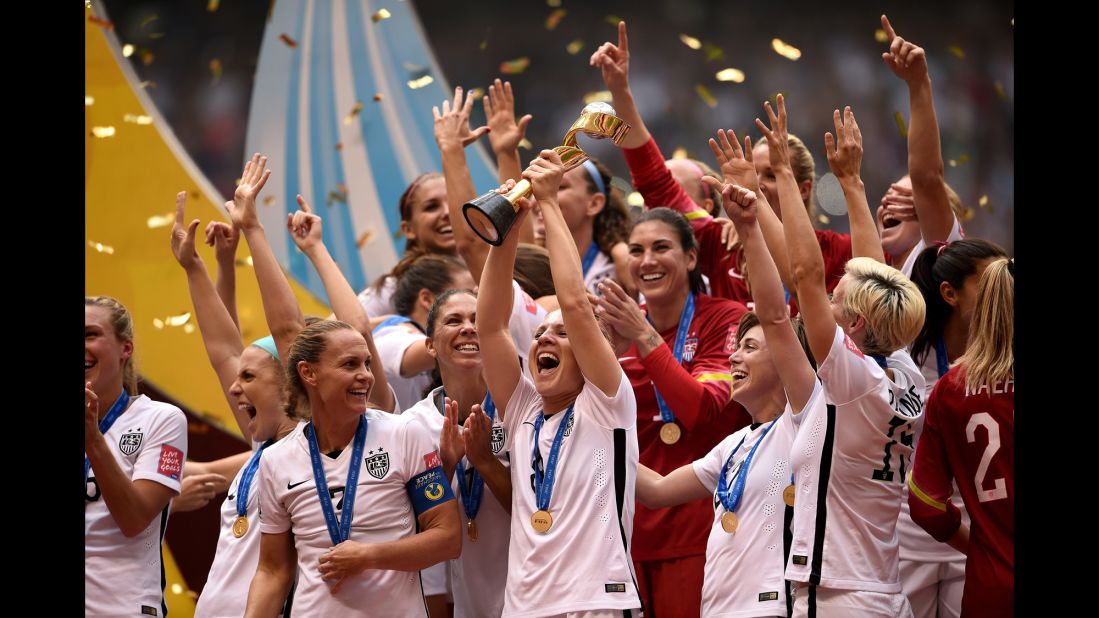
pixel 428 490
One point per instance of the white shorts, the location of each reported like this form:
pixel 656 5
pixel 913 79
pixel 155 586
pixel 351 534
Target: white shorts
pixel 834 603
pixel 436 579
pixel 934 588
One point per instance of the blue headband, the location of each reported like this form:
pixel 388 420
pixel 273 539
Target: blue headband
pixel 267 344
pixel 595 176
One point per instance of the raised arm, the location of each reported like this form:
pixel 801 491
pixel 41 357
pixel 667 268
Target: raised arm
pixel 224 238
pixel 806 261
pixel 797 375
pixel 284 317
pixel 505 133
pixel 494 301
pixel 614 62
pixel 925 157
pixel 305 228
pixel 845 158
pixel 593 353
pixel 220 335
pixel 452 135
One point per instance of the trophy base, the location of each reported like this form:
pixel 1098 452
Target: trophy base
pixel 490 216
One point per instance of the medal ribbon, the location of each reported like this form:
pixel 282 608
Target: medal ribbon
pixel 116 410
pixel 941 357
pixel 471 498
pixel 543 480
pixel 342 531
pixel 247 477
pixel 393 321
pixel 731 499
pixel 685 319
pixel 589 257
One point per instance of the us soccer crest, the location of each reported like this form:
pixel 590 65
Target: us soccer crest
pixel 497 439
pixel 378 465
pixel 129 443
pixel 689 348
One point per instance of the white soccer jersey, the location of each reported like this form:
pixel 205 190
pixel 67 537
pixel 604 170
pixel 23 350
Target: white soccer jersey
pixel 850 459
pixel 392 343
pixel 398 450
pixel 910 261
pixel 478 577
pixel 122 576
pixel 745 571
pixel 602 267
pixel 225 594
pixel 380 303
pixel 583 561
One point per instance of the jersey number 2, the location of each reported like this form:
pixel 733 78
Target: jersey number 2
pixel 999 486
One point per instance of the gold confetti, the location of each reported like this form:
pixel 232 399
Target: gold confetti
pixel 823 218
pixel 215 68
pixel 148 20
pixel 103 131
pixel 378 97
pixel 999 86
pixel 246 261
pixel 957 51
pixel 416 84
pixel 730 75
pixel 612 20
pixel 212 5
pixel 785 50
pixel 178 320
pixel 525 144
pixel 147 57
pixel 713 52
pixel 555 18
pixel 354 112
pixel 880 36
pixel 157 221
pixel 270 199
pixel 136 119
pixel 339 145
pixel 102 248
pixel 1012 22
pixel 342 188
pixel 102 23
pixel 285 38
pixel 679 153
pixel 380 15
pixel 635 199
pixel 603 96
pixel 237 182
pixel 335 196
pixel 968 214
pixel 553 3
pixel 962 160
pixel 983 202
pixel 187 328
pixel 690 41
pixel 575 47
pixel 156 35
pixel 706 95
pixel 900 124
pixel 127 50
pixel 484 45
pixel 477 93
pixel 158 323
pixel 515 67
pixel 147 84
pixel 88 101
pixel 364 238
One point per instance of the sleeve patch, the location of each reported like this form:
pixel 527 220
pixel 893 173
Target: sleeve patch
pixel 171 462
pixel 432 460
pixel 428 490
pixel 532 307
pixel 851 346
pixel 730 340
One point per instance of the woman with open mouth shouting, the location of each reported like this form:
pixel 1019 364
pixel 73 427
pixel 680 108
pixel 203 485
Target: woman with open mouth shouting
pixel 574 420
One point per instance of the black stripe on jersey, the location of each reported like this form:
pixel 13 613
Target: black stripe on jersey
pixel 787 540
pixel 812 602
pixel 620 497
pixel 822 499
pixel 289 607
pixel 163 577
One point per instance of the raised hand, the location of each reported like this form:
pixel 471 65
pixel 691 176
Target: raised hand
pixel 545 175
pixel 905 59
pixel 736 164
pixel 224 238
pixel 452 124
pixel 242 210
pixel 91 412
pixel 477 437
pixel 845 150
pixel 621 312
pixel 305 227
pixel 899 202
pixel 504 132
pixel 739 202
pixel 451 446
pixel 183 238
pixel 777 136
pixel 614 61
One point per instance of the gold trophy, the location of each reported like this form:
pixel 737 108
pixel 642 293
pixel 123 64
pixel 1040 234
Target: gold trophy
pixel 492 215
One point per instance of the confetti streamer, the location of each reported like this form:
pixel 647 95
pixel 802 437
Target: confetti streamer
pixel 285 38
pixel 380 15
pixel 823 218
pixel 679 153
pixel 148 20
pixel 178 320
pixel 730 75
pixel 525 144
pixel 785 50
pixel 212 5
pixel 555 18
pixel 354 113
pixel 339 145
pixel 574 47
pixel 364 238
pixel 102 248
pixel 158 323
pixel 215 69
pixel 603 96
pixel 477 93
pixel 900 124
pixel 880 36
pixel 706 95
pixel 102 132
pixel 188 328
pixel 957 51
pixel 416 84
pixel 713 52
pixel 158 221
pixel 246 261
pixel 136 119
pixel 968 215
pixel 102 23
pixel 983 203
pixel 270 199
pixel 635 199
pixel 89 101
pixel 378 97
pixel 147 84
pixel 690 41
pixel 516 66
pixel 127 50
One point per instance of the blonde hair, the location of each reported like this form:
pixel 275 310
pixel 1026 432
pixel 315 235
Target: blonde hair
pixel 308 346
pixel 889 302
pixel 990 354
pixel 123 324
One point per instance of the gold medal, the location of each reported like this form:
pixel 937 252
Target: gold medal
pixel 670 433
pixel 240 526
pixel 471 530
pixel 788 495
pixel 729 522
pixel 541 521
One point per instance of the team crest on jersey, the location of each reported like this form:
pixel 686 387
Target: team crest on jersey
pixel 730 340
pixel 129 443
pixel 378 465
pixel 568 428
pixel 689 348
pixel 498 438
